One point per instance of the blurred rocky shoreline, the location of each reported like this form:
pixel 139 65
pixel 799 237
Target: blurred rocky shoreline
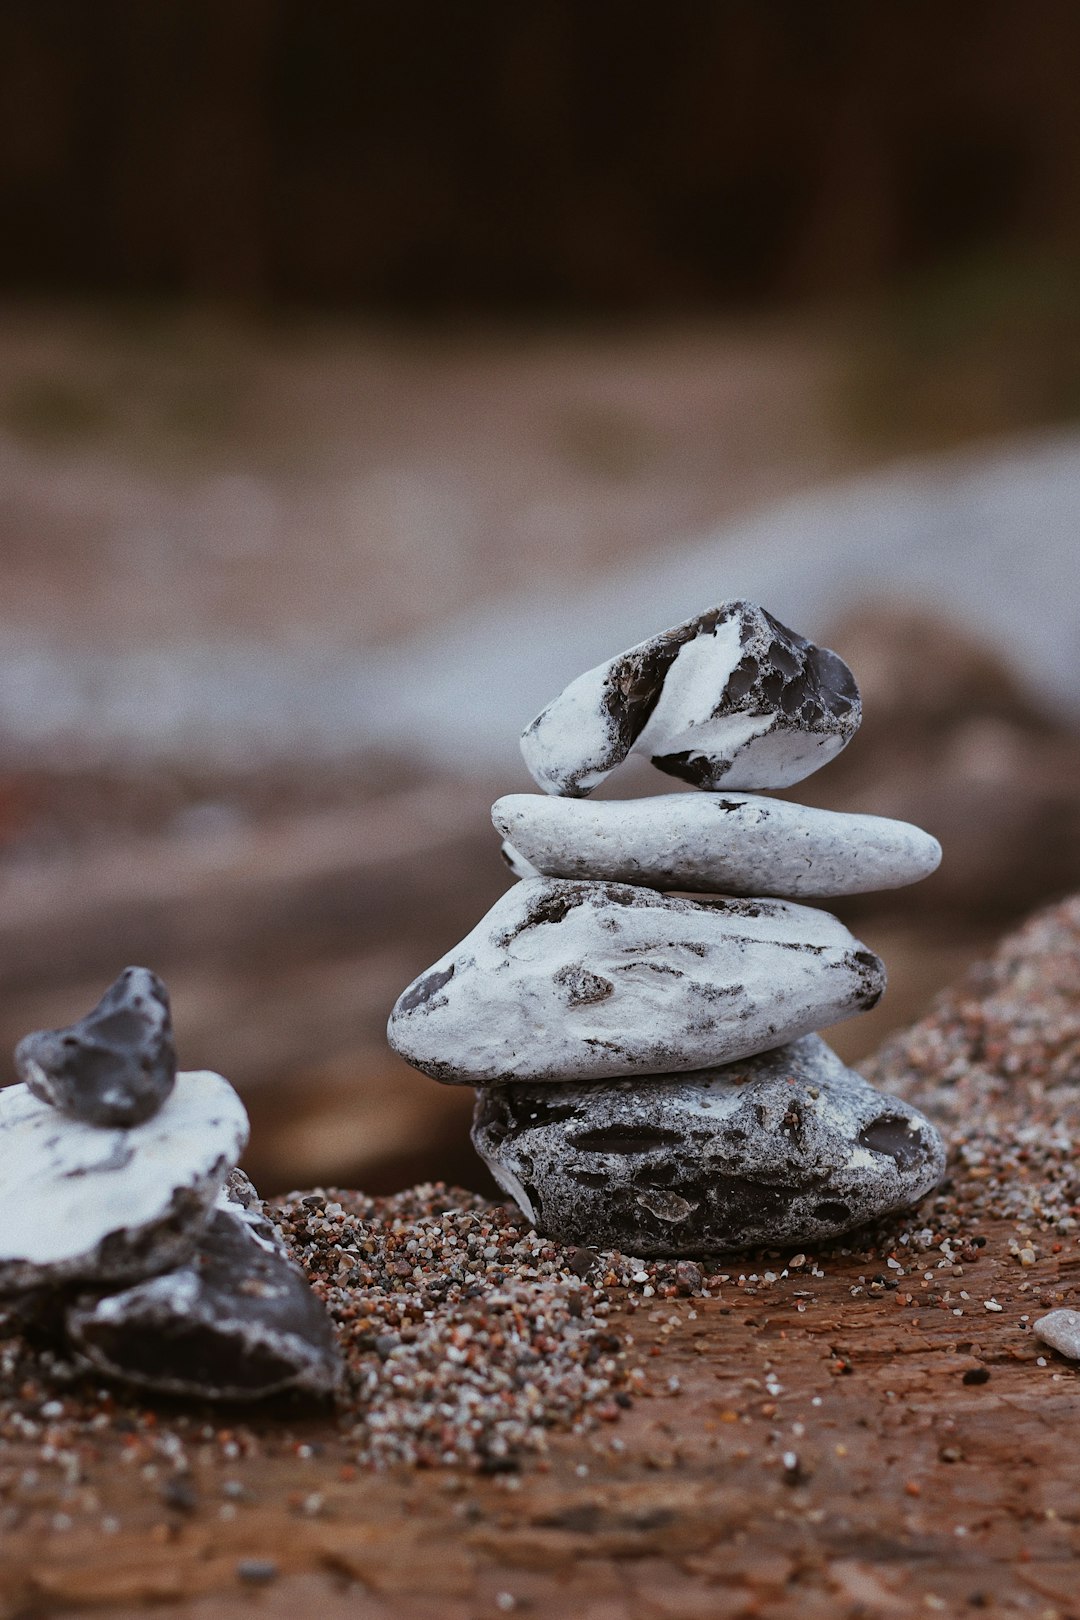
pixel 277 606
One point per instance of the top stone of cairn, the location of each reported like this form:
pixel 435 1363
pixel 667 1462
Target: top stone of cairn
pixel 731 698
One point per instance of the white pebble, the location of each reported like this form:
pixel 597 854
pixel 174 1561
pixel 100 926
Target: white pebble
pixel 1061 1331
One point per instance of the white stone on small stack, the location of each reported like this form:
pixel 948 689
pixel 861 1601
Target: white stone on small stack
pixel 86 1203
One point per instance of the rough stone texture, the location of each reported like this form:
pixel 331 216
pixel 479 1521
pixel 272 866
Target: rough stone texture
pixel 730 698
pixel 238 1321
pixel 83 1204
pixel 116 1066
pixel 787 1147
pixel 724 843
pixel 565 981
pixel 1005 1040
pixel 1061 1331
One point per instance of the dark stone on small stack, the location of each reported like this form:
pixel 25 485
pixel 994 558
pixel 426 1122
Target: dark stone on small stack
pixel 116 1066
pixel 789 1146
pixel 237 1322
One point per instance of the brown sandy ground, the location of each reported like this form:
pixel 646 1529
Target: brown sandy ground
pixel 870 1430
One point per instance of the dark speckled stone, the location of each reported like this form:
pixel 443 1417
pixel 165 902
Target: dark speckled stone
pixel 731 698
pixel 788 1147
pixel 116 1066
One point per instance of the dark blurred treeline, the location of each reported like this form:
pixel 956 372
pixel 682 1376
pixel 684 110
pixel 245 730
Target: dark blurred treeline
pixel 575 153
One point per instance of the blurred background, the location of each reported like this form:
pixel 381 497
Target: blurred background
pixel 367 370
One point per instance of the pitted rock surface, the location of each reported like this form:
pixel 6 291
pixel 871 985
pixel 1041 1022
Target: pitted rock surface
pixel 114 1067
pixel 566 981
pixel 731 698
pixel 786 1147
pixel 83 1204
pixel 238 1321
pixel 723 843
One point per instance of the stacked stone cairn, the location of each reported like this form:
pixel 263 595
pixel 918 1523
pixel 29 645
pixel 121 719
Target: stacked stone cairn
pixel 128 1237
pixel 637 1012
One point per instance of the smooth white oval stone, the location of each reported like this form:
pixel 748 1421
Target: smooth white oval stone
pixel 83 1202
pixel 731 698
pixel 578 981
pixel 722 843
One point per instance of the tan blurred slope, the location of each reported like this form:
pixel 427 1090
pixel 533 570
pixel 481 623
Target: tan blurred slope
pixel 165 479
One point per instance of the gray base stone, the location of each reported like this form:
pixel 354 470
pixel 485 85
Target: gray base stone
pixel 789 1147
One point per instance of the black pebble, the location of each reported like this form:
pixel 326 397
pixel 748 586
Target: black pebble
pixel 116 1066
pixel 179 1494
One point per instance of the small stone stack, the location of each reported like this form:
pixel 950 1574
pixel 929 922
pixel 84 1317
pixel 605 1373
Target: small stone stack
pixel 647 1074
pixel 126 1231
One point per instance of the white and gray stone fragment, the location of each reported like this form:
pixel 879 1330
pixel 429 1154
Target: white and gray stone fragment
pixel 81 1203
pixel 786 1147
pixel 117 1065
pixel 729 699
pixel 722 843
pixel 570 981
pixel 1061 1331
pixel 517 863
pixel 237 1322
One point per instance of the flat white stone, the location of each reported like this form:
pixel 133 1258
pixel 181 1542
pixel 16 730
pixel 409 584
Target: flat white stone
pixel 575 981
pixel 731 698
pixel 80 1202
pixel 721 843
pixel 1061 1331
